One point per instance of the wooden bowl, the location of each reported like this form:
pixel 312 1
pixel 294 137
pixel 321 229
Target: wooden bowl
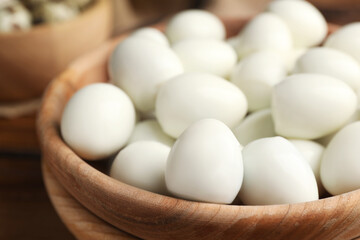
pixel 30 59
pixel 151 216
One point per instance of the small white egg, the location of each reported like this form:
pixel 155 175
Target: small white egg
pixel 346 39
pixel 97 121
pixel 152 34
pixel 150 130
pixel 266 31
pixel 340 166
pixel 139 66
pixel 276 173
pixel 194 24
pixel 307 25
pixel 310 106
pixel 312 153
pixel 206 55
pixel 205 163
pixel 330 62
pixel 257 125
pixel 256 75
pixel 193 96
pixel 142 164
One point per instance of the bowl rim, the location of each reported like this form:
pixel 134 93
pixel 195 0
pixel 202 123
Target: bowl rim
pixel 86 183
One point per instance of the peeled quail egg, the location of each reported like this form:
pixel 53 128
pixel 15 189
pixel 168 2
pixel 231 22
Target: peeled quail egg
pixel 150 130
pixel 276 173
pixel 330 62
pixel 312 152
pixel 340 166
pixel 257 125
pixel 142 164
pixel 193 96
pixel 346 39
pixel 97 121
pixel 194 24
pixel 205 163
pixel 139 66
pixel 310 106
pixel 266 31
pixel 151 34
pixel 306 23
pixel 206 55
pixel 256 75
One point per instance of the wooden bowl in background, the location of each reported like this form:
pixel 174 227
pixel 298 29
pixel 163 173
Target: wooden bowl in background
pixel 30 59
pixel 151 216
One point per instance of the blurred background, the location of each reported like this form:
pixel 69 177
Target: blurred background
pixel 38 39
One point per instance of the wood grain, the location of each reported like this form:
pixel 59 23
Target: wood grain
pixel 152 216
pixel 29 60
pixel 82 223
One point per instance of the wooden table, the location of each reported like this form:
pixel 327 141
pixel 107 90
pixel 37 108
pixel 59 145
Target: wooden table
pixel 25 209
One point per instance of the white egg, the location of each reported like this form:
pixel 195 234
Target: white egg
pixel 142 164
pixel 205 163
pixel 266 31
pixel 330 62
pixel 150 130
pixel 194 96
pixel 310 106
pixel 139 66
pixel 256 75
pixel 307 25
pixel 194 24
pixel 276 173
pixel 346 39
pixel 97 121
pixel 255 126
pixel 152 34
pixel 206 55
pixel 312 153
pixel 340 167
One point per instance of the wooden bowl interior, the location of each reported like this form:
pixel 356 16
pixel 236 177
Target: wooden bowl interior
pixel 151 216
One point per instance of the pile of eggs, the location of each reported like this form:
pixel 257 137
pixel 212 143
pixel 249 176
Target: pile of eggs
pixel 266 117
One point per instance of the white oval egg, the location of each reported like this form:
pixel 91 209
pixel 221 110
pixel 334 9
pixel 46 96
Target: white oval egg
pixel 330 62
pixel 307 25
pixel 194 96
pixel 194 24
pixel 276 173
pixel 266 31
pixel 150 130
pixel 139 66
pixel 152 34
pixel 310 106
pixel 256 75
pixel 233 41
pixel 312 153
pixel 142 164
pixel 257 125
pixel 346 39
pixel 205 163
pixel 340 166
pixel 206 55
pixel 97 121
